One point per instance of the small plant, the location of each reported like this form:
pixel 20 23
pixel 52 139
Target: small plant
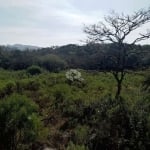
pixel 81 134
pixel 10 87
pixel 74 75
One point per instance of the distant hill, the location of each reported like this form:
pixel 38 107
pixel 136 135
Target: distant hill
pixel 88 57
pixel 23 47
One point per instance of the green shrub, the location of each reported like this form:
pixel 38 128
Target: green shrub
pixel 34 70
pixel 19 122
pixel 8 89
pixel 146 83
pixel 32 85
pixel 80 134
pixel 72 146
pixel 61 93
pixel 116 126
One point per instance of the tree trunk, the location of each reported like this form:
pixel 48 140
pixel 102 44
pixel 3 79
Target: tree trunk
pixel 119 88
pixel 119 76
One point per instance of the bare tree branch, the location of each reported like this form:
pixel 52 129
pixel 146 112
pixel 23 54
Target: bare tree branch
pixel 115 29
pixel 141 38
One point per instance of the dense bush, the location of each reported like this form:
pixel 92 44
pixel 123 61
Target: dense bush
pixel 34 70
pixel 115 126
pixel 146 83
pixel 19 122
pixel 80 134
pixel 72 146
pixel 110 124
pixel 8 89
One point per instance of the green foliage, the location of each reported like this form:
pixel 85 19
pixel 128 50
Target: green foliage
pixel 52 63
pixel 79 111
pixel 72 146
pixel 80 134
pixel 83 112
pixel 146 82
pixel 89 57
pixel 116 126
pixel 31 85
pixel 19 122
pixel 8 89
pixel 34 70
pixel 111 124
pixel 61 93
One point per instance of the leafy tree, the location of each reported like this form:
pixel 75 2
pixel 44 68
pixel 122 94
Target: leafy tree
pixel 115 30
pixel 52 62
pixel 34 70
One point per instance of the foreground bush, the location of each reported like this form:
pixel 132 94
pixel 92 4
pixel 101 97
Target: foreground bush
pixel 110 124
pixel 115 126
pixel 19 122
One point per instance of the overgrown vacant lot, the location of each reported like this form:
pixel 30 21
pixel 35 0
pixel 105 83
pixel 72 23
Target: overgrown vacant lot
pixel 68 110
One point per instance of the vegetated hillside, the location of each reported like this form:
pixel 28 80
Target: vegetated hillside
pixel 42 105
pixel 73 114
pixel 89 57
pixel 22 47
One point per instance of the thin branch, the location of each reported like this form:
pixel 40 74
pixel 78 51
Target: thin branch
pixel 141 38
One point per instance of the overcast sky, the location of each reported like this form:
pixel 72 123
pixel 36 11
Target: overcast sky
pixel 56 22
